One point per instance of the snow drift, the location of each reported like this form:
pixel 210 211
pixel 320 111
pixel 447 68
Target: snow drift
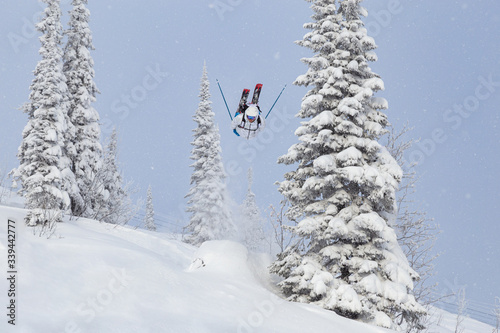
pixel 97 277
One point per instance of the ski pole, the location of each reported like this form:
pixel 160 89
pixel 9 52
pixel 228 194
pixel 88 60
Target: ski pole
pixel 275 101
pixel 224 98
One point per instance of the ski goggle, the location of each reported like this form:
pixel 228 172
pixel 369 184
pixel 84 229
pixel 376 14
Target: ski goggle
pixel 251 118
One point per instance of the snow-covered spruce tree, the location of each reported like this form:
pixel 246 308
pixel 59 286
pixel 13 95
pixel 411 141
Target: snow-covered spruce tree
pixel 45 169
pixel 79 71
pixel 210 217
pixel 117 206
pixel 251 221
pixel 149 219
pixel 342 195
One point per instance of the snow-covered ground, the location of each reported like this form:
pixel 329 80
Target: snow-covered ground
pixel 95 277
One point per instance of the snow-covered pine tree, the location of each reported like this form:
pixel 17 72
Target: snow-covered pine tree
pixel 45 169
pixel 210 217
pixel 342 195
pixel 117 206
pixel 149 219
pixel 79 71
pixel 251 221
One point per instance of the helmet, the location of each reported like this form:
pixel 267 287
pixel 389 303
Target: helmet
pixel 251 113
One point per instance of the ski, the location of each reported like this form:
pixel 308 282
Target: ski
pixel 256 93
pixel 243 100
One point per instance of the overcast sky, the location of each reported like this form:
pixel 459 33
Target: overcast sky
pixel 440 61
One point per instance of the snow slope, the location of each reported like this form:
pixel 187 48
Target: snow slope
pixel 94 277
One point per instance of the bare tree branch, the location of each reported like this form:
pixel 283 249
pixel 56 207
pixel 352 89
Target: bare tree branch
pixel 417 233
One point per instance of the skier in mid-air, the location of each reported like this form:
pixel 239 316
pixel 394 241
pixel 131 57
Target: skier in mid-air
pixel 247 121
